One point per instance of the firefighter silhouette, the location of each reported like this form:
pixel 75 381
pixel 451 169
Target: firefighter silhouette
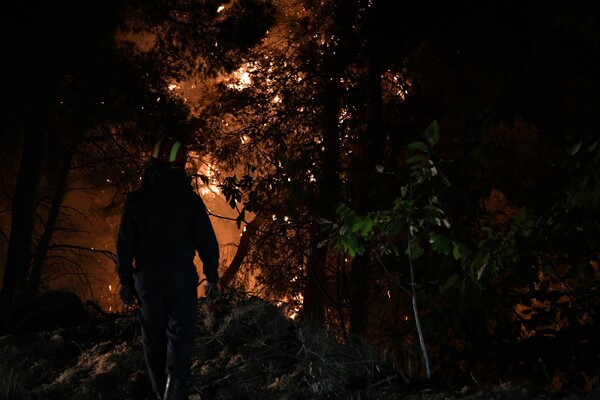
pixel 163 224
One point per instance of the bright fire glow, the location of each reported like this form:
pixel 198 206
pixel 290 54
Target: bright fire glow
pixel 294 306
pixel 221 8
pixel 210 172
pixel 243 80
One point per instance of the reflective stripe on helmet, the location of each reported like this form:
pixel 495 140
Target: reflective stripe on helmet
pixel 169 150
pixel 173 155
pixel 157 148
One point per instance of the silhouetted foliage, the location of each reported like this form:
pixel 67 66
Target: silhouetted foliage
pixel 504 248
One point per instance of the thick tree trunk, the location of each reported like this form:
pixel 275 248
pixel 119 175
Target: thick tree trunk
pixel 313 304
pixel 332 71
pixel 234 266
pixel 329 188
pixel 18 259
pixel 373 141
pixel 360 278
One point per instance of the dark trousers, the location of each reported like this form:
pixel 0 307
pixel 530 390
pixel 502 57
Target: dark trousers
pixel 167 314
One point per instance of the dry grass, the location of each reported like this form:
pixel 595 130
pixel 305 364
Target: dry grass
pixel 245 349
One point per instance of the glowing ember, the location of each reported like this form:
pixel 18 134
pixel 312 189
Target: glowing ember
pixel 293 305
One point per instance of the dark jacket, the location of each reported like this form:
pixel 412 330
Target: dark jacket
pixel 163 225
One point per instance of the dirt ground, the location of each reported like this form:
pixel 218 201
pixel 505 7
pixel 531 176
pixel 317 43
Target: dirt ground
pixel 246 350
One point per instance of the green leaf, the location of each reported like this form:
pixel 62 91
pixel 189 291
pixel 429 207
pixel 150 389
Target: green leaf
pixel 356 225
pixel 416 251
pixel 415 159
pixel 353 247
pixel 592 146
pixel 440 244
pixel 366 227
pixel 360 250
pixel 342 210
pixel 352 252
pixel 343 230
pixel 456 251
pixel 463 250
pixel 418 146
pixel 575 149
pixel 450 282
pixel 432 133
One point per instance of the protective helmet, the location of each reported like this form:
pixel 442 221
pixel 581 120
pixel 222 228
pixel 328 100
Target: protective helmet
pixel 171 152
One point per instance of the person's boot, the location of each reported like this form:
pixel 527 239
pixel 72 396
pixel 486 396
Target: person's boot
pixel 175 389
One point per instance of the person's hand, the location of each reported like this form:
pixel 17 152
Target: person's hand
pixel 127 294
pixel 212 292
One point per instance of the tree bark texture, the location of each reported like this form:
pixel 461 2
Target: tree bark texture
pixel 18 259
pixel 243 247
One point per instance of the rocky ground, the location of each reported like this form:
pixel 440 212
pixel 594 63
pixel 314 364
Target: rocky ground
pixel 245 349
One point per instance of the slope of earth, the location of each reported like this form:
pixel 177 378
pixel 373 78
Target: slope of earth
pixel 245 349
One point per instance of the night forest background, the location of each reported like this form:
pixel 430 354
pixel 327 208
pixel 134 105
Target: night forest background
pixel 423 177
